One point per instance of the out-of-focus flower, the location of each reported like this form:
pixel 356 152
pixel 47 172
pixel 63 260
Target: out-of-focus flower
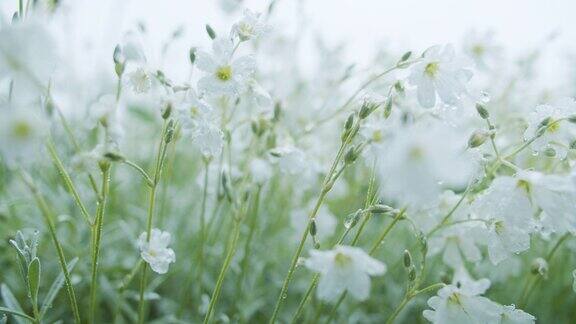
pixel 422 159
pixel 22 131
pixel 209 138
pixel 251 26
pixel 28 56
pixel 140 80
pixel 559 131
pixel 482 48
pixel 462 303
pixel 344 268
pixel 224 76
pixel 439 72
pixel 290 159
pixel 155 251
pixel 507 210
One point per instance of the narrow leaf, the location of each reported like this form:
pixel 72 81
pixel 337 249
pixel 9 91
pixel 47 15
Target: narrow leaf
pixel 15 313
pixel 34 272
pixel 10 301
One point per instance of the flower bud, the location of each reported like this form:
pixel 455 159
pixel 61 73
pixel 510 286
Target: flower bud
pixel 539 267
pixel 277 111
pixel 543 125
pixel 313 228
pixel 572 119
pixel 550 152
pixel 482 111
pixel 407 259
pixel 388 108
pixel 349 122
pixel 380 209
pixel 399 87
pixel 406 56
pixel 351 155
pixel 166 110
pixel 192 55
pixel 477 138
pixel 114 157
pixel 169 132
pixel 411 273
pixel 210 31
pixel 573 145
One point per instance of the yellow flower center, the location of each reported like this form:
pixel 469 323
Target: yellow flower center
pixel 478 50
pixel 499 227
pixel 224 73
pixel 524 185
pixel 342 259
pixel 21 129
pixel 454 299
pixel 431 69
pixel 553 126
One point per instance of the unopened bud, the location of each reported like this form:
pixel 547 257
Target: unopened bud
pixel 573 145
pixel 407 259
pixel 192 55
pixel 277 111
pixel 313 228
pixel 380 209
pixel 477 138
pixel 368 106
pixel 550 152
pixel 114 157
pixel 406 56
pixel 351 155
pixel 482 111
pixel 167 110
pixel 169 132
pixel 399 87
pixel 117 56
pixel 539 267
pixel 543 125
pixel 411 273
pixel 210 31
pixel 388 108
pixel 349 122
pixel 572 119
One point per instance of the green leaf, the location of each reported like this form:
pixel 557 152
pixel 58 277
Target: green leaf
pixel 55 288
pixel 15 313
pixel 34 272
pixel 11 302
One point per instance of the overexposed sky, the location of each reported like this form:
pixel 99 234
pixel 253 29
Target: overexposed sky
pixel 362 24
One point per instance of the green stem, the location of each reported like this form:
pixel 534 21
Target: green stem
pixel 387 230
pixel 248 244
pixel 531 284
pixel 143 173
pixel 48 217
pixel 16 313
pixel 151 206
pixel 97 236
pixel 223 270
pixel 323 192
pixel 68 181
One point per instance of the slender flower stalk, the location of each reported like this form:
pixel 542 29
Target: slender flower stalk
pixel 151 207
pixel 231 250
pixel 97 237
pixel 326 187
pixel 68 181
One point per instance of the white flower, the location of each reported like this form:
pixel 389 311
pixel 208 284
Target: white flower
pixel 345 268
pixel 28 56
pixel 224 76
pixel 511 315
pixel 422 159
pixel 209 139
pixel 559 133
pixel 556 196
pixel 481 48
pixel 155 251
pixel 251 26
pixel 457 244
pixel 290 159
pixel 261 170
pixel 194 111
pixel 462 303
pixel 22 131
pixel 439 72
pixel 140 80
pixel 507 210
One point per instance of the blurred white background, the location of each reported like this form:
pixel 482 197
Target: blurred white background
pixel 363 25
